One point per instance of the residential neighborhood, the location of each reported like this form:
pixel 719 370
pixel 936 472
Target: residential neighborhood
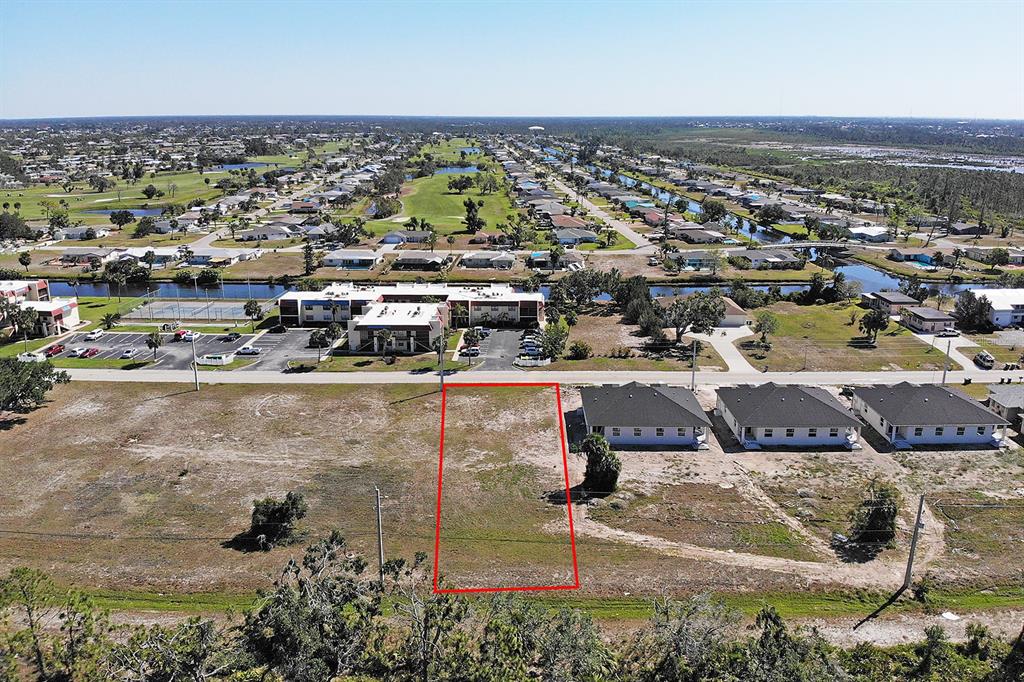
pixel 324 363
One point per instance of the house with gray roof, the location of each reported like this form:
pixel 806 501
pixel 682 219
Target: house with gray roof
pixel 1007 400
pixel 642 415
pixel 910 414
pixel 787 416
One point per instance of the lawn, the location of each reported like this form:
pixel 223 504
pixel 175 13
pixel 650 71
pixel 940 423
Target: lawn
pixel 423 362
pixel 879 260
pixel 429 199
pixel 1002 353
pixel 447 152
pixel 126 237
pixel 234 364
pixel 187 186
pixel 102 363
pixel 822 338
pixel 268 266
pixel 91 309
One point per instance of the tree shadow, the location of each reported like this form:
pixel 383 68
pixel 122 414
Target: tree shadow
pixel 9 422
pixel 856 552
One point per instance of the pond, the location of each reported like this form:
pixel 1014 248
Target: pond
pixel 239 166
pixel 452 170
pixel 137 212
pixel 470 150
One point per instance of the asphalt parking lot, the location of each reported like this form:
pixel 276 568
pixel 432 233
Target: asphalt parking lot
pixel 280 347
pixel 171 355
pixel 498 350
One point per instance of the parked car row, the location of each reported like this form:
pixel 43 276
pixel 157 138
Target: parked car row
pixel 531 344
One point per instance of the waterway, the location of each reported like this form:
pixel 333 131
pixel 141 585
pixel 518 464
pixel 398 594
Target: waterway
pixel 137 212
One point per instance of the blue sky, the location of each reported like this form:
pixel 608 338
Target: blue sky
pixel 955 59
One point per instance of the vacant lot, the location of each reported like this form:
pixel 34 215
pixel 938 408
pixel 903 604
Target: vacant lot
pixel 502 461
pixel 607 335
pixel 137 487
pixel 827 337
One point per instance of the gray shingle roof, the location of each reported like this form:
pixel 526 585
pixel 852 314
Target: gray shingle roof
pixel 1007 395
pixel 636 404
pixel 772 405
pixel 907 404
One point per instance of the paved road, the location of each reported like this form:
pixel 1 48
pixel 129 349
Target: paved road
pixel 567 377
pixel 643 243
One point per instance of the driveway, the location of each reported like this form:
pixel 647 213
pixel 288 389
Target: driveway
pixel 723 340
pixel 279 348
pixel 961 348
pixel 498 350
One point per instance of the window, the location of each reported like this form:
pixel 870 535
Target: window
pixel 981 430
pixel 961 430
pixel 939 430
pixel 833 433
pixel 812 433
pixel 637 433
pixel 308 307
pixel 615 431
pixel 918 431
pixel 768 433
pixel 659 432
pixel 681 432
pixel 790 433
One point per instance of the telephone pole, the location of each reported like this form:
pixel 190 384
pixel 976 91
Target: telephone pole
pixel 195 364
pixel 693 367
pixel 918 525
pixel 380 540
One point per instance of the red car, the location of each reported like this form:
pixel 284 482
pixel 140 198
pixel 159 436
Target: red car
pixel 89 352
pixel 55 349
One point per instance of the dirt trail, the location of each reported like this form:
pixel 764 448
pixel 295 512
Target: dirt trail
pixel 879 573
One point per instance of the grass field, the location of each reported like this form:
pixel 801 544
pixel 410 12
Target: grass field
pixel 105 488
pixel 188 186
pixel 429 199
pixel 822 338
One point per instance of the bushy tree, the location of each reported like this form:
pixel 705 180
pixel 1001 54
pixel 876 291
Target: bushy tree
pixel 973 312
pixel 24 385
pixel 874 519
pixel 603 465
pixel 873 322
pixel 274 520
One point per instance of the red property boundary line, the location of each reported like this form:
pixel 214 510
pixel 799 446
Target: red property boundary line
pixel 568 499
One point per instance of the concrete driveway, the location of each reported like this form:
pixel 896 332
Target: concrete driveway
pixel 961 348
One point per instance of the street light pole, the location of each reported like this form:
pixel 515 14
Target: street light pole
pixel 945 365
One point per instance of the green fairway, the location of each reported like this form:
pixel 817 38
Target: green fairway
pixel 429 199
pixel 449 151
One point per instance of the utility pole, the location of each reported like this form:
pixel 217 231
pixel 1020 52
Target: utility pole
pixel 380 540
pixel 693 368
pixel 945 365
pixel 918 525
pixel 195 365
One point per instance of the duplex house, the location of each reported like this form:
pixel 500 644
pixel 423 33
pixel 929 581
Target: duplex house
pixel 270 232
pixel 926 320
pixel 790 416
pixel 910 414
pixel 353 259
pixel 638 414
pixel 501 260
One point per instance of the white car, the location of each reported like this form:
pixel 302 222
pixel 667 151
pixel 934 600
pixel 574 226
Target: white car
pixel 249 350
pixel 76 352
pixel 128 353
pixel 31 357
pixel 190 336
pixel 94 334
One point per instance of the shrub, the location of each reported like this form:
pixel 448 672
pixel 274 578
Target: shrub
pixel 580 350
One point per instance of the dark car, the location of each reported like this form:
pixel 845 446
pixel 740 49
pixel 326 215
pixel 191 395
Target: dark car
pixel 232 336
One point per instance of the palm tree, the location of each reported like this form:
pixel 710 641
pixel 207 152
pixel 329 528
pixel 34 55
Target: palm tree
pixel 154 341
pixel 451 242
pixel 110 320
pixel 118 279
pixel 385 337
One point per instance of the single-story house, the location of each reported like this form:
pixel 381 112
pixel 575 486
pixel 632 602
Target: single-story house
pixel 910 414
pixel 983 254
pixel 965 228
pixel 420 260
pixel 869 233
pixel 541 260
pixel 789 416
pixel 353 259
pixel 916 255
pixel 82 255
pixel 768 259
pixel 270 232
pixel 638 414
pixel 304 206
pixel 573 236
pixel 80 232
pixel 406 237
pixel 926 320
pixel 889 302
pixel 565 222
pixel 502 260
pixel 735 316
pixel 698 260
pixel 1007 400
